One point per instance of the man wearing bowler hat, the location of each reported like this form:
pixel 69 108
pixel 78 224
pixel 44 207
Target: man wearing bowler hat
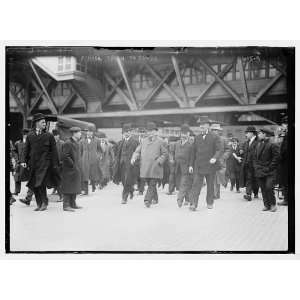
pixel 40 154
pixel 265 162
pixel 152 153
pixel 123 170
pixel 206 152
pixel 181 154
pixel 71 181
pixel 248 179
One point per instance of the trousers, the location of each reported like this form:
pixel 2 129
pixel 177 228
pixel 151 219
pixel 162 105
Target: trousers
pixel 40 194
pixel 267 189
pixel 197 186
pixel 151 194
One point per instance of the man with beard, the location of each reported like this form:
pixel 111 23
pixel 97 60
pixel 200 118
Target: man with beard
pixel 90 151
pixel 71 181
pixel 21 174
pixel 152 153
pixel 265 162
pixel 123 170
pixel 40 155
pixel 248 179
pixel 181 156
pixel 206 152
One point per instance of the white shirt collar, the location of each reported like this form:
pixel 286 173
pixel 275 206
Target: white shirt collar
pixel 251 140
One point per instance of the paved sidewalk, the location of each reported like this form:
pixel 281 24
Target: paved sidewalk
pixel 105 225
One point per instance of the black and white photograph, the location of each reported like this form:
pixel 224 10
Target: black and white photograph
pixel 150 149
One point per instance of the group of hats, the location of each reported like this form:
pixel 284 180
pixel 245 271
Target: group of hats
pixel 266 131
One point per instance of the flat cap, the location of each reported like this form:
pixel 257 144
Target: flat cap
pixel 266 131
pixel 251 129
pixel 75 129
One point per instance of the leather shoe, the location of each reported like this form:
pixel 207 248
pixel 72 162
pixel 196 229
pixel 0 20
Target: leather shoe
pixel 77 207
pixel 24 201
pixel 210 206
pixel 68 209
pixel 37 209
pixel 255 196
pixel 43 207
pixel 273 208
pixel 130 195
pixel 124 201
pixel 283 203
pixel 12 200
pixel 265 209
pixel 154 201
pixel 247 197
pixel 148 204
pixel 192 208
pixel 179 202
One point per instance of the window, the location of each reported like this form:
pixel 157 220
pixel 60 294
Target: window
pixel 60 64
pixel 68 63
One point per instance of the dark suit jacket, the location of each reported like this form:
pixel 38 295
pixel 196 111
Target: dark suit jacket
pixel 203 151
pixel 182 156
pixel 71 178
pixel 21 174
pixel 125 150
pixel 40 154
pixel 265 159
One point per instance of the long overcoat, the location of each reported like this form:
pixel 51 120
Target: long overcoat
pixel 247 161
pixel 152 154
pixel 124 152
pixel 105 160
pixel 266 159
pixel 204 150
pixel 225 152
pixel 71 177
pixel 233 166
pixel 89 159
pixel 21 173
pixel 41 156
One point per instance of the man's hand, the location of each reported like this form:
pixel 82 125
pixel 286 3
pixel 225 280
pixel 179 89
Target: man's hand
pixel 132 161
pixel 24 165
pixel 191 170
pixel 213 161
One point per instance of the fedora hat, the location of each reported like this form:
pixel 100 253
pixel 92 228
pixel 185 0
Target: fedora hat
pixel 216 126
pixel 38 117
pixel 266 131
pixel 126 127
pixel 75 129
pixel 251 129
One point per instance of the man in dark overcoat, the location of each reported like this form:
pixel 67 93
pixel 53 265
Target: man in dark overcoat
pixel 265 161
pixel 90 151
pixel 123 170
pixel 40 154
pixel 71 181
pixel 248 179
pixel 59 145
pixel 233 165
pixel 152 153
pixel 21 174
pixel 181 155
pixel 172 178
pixel 206 152
pixel 283 162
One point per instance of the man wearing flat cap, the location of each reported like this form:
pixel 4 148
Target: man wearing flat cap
pixel 265 161
pixel 248 179
pixel 181 155
pixel 41 156
pixel 123 170
pixel 152 153
pixel 206 152
pixel 90 150
pixel 21 174
pixel 71 181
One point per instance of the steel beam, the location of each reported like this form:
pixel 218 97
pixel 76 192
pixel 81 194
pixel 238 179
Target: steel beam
pixel 221 74
pixel 18 101
pixel 221 81
pixel 80 97
pixel 156 89
pixel 180 81
pixel 183 111
pixel 266 88
pixel 243 78
pixel 65 104
pixel 130 91
pixel 167 88
pixel 50 101
pixel 120 92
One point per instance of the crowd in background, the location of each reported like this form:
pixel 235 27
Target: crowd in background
pixel 143 160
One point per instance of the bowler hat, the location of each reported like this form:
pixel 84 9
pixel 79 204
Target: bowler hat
pixel 204 120
pixel 75 129
pixel 25 130
pixel 267 131
pixel 151 126
pixel 251 129
pixel 185 128
pixel 101 135
pixel 38 117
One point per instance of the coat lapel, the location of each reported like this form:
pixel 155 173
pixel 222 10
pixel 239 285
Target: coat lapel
pixel 261 148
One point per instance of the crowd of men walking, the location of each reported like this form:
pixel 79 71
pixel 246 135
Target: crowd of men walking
pixel 143 159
